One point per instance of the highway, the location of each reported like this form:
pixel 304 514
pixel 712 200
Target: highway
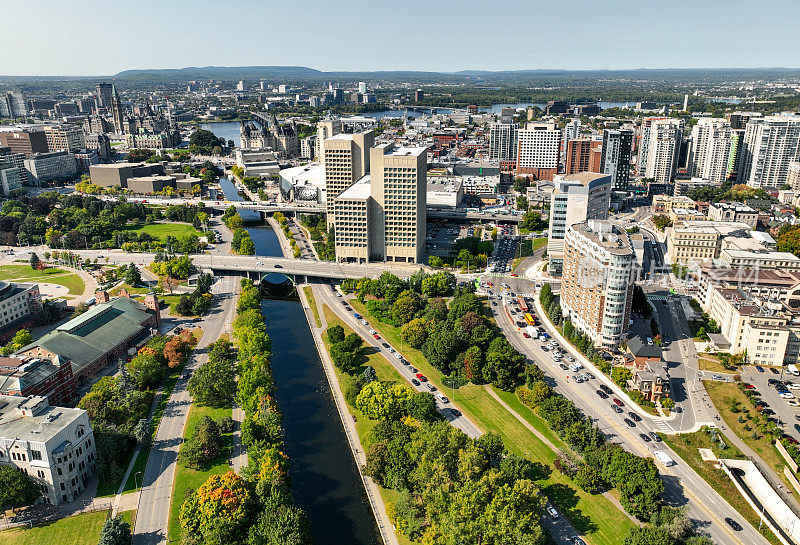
pixel 152 517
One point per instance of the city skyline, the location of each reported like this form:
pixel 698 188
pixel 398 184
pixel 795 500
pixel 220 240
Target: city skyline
pixel 477 36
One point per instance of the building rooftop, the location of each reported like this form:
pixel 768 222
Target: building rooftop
pixel 18 373
pixel 33 419
pixel 360 190
pixel 610 236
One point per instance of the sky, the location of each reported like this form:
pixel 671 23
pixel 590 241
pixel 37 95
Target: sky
pixel 103 37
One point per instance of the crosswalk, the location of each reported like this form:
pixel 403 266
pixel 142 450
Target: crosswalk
pixel 662 426
pixel 658 297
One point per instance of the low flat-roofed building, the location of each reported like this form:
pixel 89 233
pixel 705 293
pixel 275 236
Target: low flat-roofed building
pixel 304 183
pixel 97 337
pixel 28 376
pixel 445 193
pixel 700 241
pixel 777 284
pixel 44 167
pixel 759 259
pixel 679 214
pixel 54 446
pixel 150 184
pixel 733 211
pixel 117 174
pixel 663 204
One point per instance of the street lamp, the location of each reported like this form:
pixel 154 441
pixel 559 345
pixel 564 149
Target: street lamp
pixel 135 481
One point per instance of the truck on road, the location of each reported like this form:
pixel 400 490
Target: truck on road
pixel 664 458
pixel 792 368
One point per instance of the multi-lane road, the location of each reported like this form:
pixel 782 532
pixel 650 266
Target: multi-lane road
pixel 152 516
pixel 683 485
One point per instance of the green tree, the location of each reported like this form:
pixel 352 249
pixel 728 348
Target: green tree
pixel 203 446
pixel 16 488
pixel 415 332
pixel 213 384
pixel 21 339
pixel 422 406
pixel 132 275
pixel 522 202
pixel 115 531
pixel 247 247
pixel 405 307
pixel 647 535
pixel 335 334
pixel 34 260
pixel 383 400
pixel 217 512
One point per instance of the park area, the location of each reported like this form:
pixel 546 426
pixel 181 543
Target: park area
pixel 52 275
pixel 83 529
pixel 162 230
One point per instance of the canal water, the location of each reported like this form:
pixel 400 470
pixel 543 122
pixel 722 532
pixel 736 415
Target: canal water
pixel 324 478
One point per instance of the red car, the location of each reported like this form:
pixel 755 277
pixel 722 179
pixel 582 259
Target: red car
pixel 525 334
pixel 376 336
pixel 618 402
pixel 749 386
pixel 515 275
pixel 421 377
pixel 489 284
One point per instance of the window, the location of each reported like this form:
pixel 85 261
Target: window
pixel 36 455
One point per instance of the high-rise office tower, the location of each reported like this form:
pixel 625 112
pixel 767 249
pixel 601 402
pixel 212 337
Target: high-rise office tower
pixel 503 144
pixel 615 158
pixel 660 156
pixel 538 150
pixel 13 104
pixel 770 144
pixel 345 158
pixel 362 87
pixel 399 187
pixel 382 216
pixel 572 130
pixel 643 141
pixel 710 149
pixel 105 93
pixel 575 198
pixel 597 280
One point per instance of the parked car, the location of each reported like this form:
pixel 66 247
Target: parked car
pixel 749 386
pixel 415 382
pixel 759 369
pixel 655 437
pixel 602 394
pixel 645 437
pixel 421 377
pixel 630 423
pixel 606 389
pixel 617 410
pixel 733 524
pixel 618 402
pixel 635 417
pixel 455 412
pixel 552 512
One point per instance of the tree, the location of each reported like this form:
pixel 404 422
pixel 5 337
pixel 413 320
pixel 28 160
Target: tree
pixel 247 246
pixel 415 332
pixel 335 334
pixel 21 339
pixel 16 488
pixel 383 400
pixel 203 446
pixel 422 406
pixel 213 384
pixel 522 202
pixel 218 511
pixel 647 535
pixel 132 275
pixel 405 307
pixel 661 222
pixel 143 432
pixel 34 261
pixel 115 531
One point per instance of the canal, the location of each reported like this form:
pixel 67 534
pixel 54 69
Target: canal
pixel 324 478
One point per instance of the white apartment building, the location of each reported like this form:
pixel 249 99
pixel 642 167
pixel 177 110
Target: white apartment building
pixel 663 145
pixel 64 138
pixel 770 144
pixel 710 149
pixel 54 446
pixel 43 167
pixel 597 281
pixel 793 175
pixel 575 198
pixel 538 150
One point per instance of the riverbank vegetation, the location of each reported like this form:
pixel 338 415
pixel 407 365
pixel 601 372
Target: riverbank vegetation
pixel 255 507
pixel 241 243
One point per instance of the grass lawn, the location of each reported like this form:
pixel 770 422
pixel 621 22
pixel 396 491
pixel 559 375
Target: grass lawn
pixel 187 479
pixel 539 243
pixel 312 303
pixel 141 290
pixel 593 516
pixel 686 445
pixel 161 230
pixel 76 530
pixel 8 272
pixel 710 362
pixel 722 394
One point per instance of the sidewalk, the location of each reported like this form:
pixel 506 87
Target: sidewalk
pixel 373 494
pixel 284 242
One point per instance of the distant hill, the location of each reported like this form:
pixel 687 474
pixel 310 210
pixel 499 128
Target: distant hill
pixel 221 72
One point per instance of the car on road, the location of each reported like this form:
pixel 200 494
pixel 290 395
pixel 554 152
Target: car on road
pixel 376 337
pixel 773 381
pixel 635 417
pixel 618 402
pixel 344 303
pixel 364 322
pixel 357 315
pixel 544 347
pixel 413 369
pixel 602 394
pixel 774 371
pixel 733 524
pixel 630 423
pixel 405 362
pixel 455 412
pixel 552 512
pixel 415 382
pixel 793 403
pixel 525 334
pixel 793 386
pixel 398 355
pixel 421 377
pixel 430 387
pixel 749 386
pixel 606 389
pixel 645 437
pixel 655 437
pixel 563 366
pixel 577 378
pixel 717 377
pixel 385 345
pixel 617 410
pixel 787 395
pixel 588 375
pixel 442 398
pixel 759 369
pixel 278 266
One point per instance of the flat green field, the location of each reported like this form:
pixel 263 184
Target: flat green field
pixel 594 516
pixel 189 479
pixel 76 530
pixel 24 273
pixel 161 230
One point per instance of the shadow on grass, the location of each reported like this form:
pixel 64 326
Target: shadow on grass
pixel 566 499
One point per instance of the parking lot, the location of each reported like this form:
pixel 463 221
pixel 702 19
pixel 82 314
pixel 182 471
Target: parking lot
pixel 779 392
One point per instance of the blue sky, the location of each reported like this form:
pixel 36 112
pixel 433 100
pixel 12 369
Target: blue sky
pixel 94 37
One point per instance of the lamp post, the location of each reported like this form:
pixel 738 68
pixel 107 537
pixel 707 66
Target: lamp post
pixel 136 482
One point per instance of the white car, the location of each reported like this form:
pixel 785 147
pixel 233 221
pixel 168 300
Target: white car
pixel 793 403
pixel 364 322
pixel 793 386
pixel 373 332
pixel 398 355
pixel 553 513
pixel 787 395
pixel 442 398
